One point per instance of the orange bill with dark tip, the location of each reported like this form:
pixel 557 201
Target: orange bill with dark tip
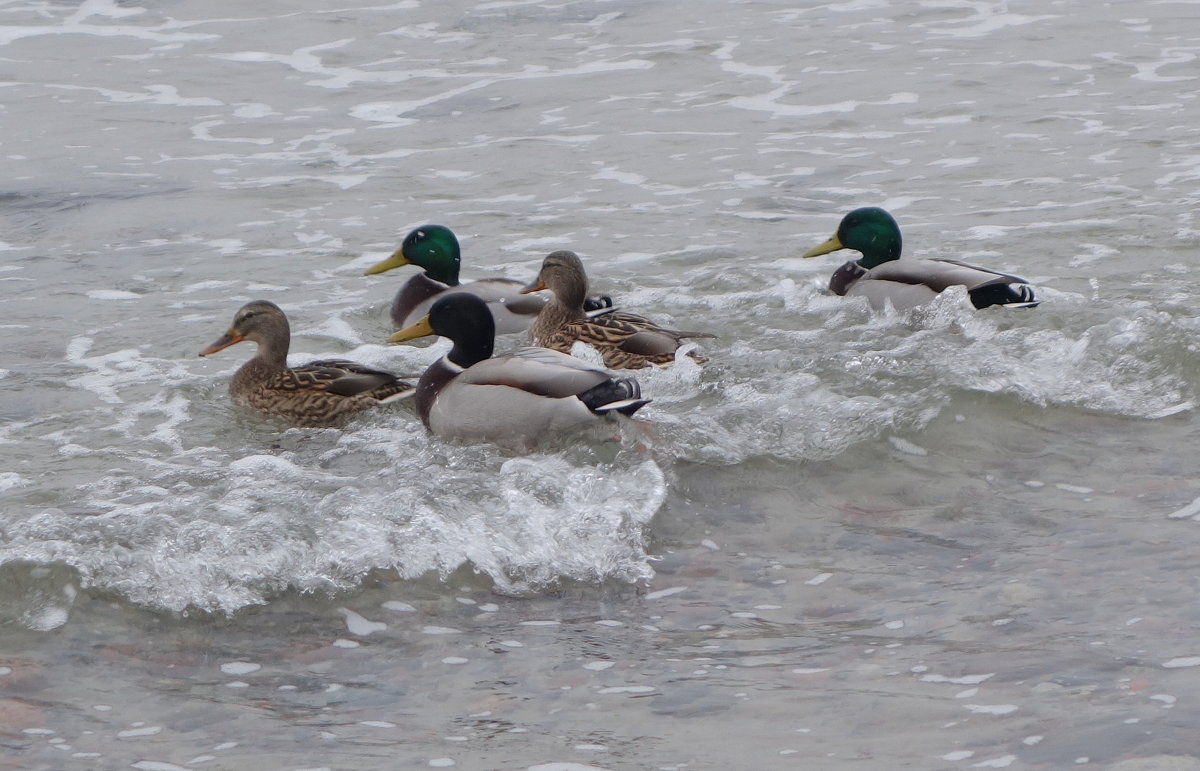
pixel 226 340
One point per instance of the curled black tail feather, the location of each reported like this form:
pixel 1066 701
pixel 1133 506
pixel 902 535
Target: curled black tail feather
pixel 623 395
pixel 1003 294
pixel 597 303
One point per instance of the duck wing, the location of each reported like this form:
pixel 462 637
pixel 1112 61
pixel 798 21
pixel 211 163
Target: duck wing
pixel 940 274
pixel 527 394
pixel 908 283
pixel 538 371
pixel 342 377
pixel 626 340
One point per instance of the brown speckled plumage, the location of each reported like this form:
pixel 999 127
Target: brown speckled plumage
pixel 624 340
pixel 316 394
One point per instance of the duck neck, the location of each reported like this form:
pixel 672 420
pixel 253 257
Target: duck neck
pixel 444 272
pixel 265 364
pixel 270 358
pixel 883 246
pixel 273 340
pixel 571 296
pixel 552 317
pixel 471 350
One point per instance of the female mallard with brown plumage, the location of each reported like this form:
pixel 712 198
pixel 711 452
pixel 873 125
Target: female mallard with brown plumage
pixel 316 394
pixel 624 340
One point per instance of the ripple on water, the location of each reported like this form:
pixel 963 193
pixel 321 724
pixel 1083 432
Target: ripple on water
pixel 260 524
pixel 820 374
pixel 183 502
pixel 255 511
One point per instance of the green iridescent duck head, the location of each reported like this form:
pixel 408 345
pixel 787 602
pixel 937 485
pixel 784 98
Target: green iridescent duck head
pixel 432 247
pixel 871 231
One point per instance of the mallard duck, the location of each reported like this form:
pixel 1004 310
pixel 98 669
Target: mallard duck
pixel 624 340
pixel 881 276
pixel 435 249
pixel 468 394
pixel 315 394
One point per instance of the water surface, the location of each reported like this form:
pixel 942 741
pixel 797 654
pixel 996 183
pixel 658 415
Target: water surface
pixel 941 539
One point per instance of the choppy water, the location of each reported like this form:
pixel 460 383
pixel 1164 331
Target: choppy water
pixel 942 539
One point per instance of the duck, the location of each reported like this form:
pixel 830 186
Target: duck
pixel 623 340
pixel 316 394
pixel 882 277
pixel 469 394
pixel 435 248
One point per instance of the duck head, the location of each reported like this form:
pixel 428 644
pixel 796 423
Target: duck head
pixel 463 318
pixel 432 247
pixel 563 274
pixel 871 231
pixel 259 321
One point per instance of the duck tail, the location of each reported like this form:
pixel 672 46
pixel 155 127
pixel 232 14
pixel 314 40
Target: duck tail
pixel 1010 295
pixel 602 303
pixel 397 392
pixel 623 395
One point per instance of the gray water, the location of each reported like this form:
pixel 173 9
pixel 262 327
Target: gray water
pixel 945 539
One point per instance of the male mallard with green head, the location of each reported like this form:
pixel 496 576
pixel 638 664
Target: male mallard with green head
pixel 469 394
pixel 882 277
pixel 435 249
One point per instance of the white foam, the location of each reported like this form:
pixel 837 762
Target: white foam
pixel 1182 662
pixel 439 630
pixel 986 20
pixel 358 625
pixel 112 294
pixel 11 479
pixel 1191 510
pixel 991 709
pixel 905 446
pixel 627 689
pixel 46 618
pixel 770 102
pixel 961 680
